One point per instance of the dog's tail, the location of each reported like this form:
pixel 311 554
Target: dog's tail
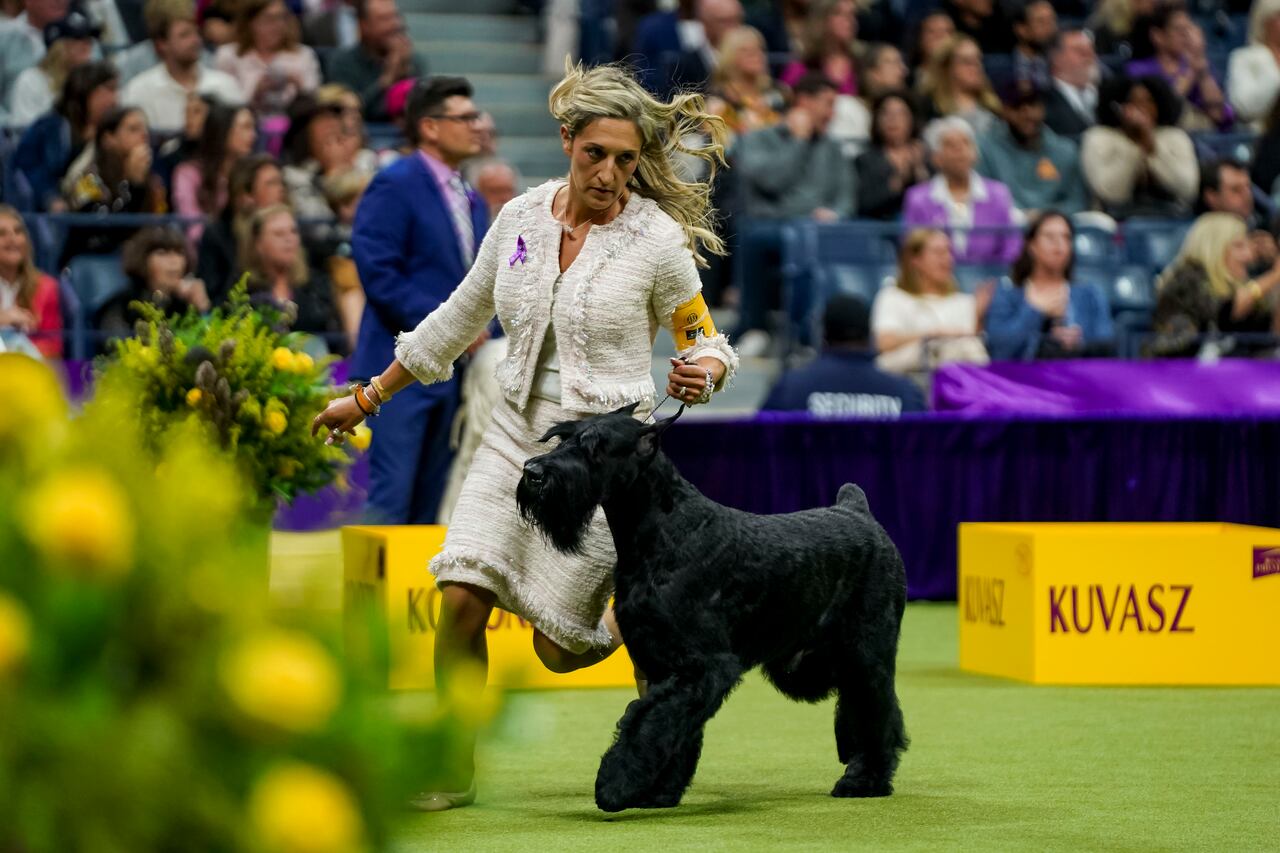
pixel 853 498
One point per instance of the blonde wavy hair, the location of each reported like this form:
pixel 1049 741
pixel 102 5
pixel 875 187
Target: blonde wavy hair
pixel 912 245
pixel 733 43
pixel 56 65
pixel 28 278
pixel 937 83
pixel 1206 244
pixel 1116 15
pixel 609 91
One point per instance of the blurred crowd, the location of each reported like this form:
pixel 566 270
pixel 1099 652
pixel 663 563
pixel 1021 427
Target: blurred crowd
pixel 962 135
pixel 995 123
pixel 211 141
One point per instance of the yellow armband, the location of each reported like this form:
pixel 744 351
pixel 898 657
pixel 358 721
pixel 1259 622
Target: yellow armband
pixel 690 320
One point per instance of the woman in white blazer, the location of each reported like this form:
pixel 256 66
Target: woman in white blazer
pixel 581 272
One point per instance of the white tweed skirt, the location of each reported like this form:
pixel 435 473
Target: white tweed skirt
pixel 490 546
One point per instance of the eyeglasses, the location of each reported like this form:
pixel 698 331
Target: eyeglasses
pixel 466 118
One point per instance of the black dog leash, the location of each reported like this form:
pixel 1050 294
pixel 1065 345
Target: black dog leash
pixel 678 413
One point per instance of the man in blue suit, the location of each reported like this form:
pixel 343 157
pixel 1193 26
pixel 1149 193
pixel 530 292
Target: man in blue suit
pixel 416 233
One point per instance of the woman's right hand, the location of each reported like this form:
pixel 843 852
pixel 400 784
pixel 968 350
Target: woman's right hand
pixel 17 318
pixel 340 417
pixel 137 164
pixel 194 291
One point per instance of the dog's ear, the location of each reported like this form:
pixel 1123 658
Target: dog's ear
pixel 628 410
pixel 564 429
pixel 650 441
pixel 590 442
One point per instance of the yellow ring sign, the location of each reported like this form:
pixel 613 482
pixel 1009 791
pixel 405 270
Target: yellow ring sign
pixel 1121 603
pixel 385 567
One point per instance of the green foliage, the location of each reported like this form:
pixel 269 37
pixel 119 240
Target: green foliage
pixel 150 699
pixel 235 371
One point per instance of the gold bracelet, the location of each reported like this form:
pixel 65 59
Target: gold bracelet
pixel 383 396
pixel 1256 290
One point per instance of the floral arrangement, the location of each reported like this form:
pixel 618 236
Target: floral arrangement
pixel 240 374
pixel 150 699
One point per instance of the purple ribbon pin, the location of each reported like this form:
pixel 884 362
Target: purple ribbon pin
pixel 521 255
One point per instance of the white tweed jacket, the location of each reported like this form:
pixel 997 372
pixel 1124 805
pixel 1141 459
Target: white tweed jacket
pixel 629 278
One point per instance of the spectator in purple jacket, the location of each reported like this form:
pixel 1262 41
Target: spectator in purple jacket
pixel 1179 59
pixel 959 200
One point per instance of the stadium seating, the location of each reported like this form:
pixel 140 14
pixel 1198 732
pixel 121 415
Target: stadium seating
pixel 1153 243
pixel 12 192
pixel 95 280
pixel 1096 246
pixel 74 333
pixel 1211 146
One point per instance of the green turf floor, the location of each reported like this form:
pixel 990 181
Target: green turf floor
pixel 992 765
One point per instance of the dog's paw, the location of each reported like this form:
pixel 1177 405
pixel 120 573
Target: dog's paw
pixel 862 787
pixel 615 798
pixel 607 804
pixel 612 798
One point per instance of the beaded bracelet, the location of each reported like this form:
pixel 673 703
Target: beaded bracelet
pixel 705 396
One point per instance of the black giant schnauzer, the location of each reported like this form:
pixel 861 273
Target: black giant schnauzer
pixel 704 593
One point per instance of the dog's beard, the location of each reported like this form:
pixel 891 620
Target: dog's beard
pixel 562 522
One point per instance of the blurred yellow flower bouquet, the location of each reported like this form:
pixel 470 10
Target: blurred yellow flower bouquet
pixel 148 698
pixel 235 371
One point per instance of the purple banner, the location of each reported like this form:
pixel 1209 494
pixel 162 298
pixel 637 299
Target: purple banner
pixel 924 475
pixel 1097 386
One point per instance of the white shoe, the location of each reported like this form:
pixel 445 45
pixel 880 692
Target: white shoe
pixel 439 801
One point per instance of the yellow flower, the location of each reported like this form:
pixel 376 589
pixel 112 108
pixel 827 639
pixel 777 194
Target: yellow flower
pixel 32 399
pixel 303 363
pixel 193 397
pixel 284 678
pixel 275 422
pixel 282 358
pixel 300 808
pixel 15 634
pixel 361 438
pixel 80 520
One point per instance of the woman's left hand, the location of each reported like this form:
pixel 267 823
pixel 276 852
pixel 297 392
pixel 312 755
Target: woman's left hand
pixel 686 382
pixel 340 417
pixel 1071 337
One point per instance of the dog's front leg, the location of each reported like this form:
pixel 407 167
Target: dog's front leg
pixel 659 739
